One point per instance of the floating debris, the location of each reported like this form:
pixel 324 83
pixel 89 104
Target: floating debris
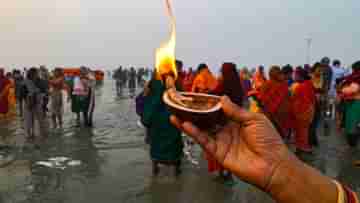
pixel 59 162
pixel 74 163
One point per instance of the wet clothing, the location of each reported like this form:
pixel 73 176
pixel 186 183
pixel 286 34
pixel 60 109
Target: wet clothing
pixel 303 109
pixel 33 109
pixel 166 141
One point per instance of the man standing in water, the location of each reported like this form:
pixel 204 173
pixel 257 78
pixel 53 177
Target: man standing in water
pixel 92 86
pixel 57 104
pixel 34 97
pixel 132 81
pixel 43 83
pixel 19 83
pixel 118 80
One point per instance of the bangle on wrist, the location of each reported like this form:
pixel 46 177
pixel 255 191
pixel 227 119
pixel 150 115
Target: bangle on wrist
pixel 350 195
pixel 341 192
pixel 345 194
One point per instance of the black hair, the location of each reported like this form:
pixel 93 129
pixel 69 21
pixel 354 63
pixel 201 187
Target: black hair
pixel 336 63
pixel 31 73
pixel 201 67
pixel 356 66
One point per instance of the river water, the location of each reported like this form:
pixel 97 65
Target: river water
pixel 110 163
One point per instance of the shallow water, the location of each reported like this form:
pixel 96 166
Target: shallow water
pixel 110 163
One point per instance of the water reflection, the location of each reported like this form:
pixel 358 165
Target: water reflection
pixel 115 164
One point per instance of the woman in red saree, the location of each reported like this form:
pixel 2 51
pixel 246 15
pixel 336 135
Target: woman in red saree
pixel 4 92
pixel 228 85
pixel 274 98
pixel 303 108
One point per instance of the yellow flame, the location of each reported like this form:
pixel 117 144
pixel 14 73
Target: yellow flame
pixel 165 55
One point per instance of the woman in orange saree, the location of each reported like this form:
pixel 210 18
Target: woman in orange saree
pixel 204 81
pixel 11 96
pixel 274 98
pixel 303 108
pixel 259 78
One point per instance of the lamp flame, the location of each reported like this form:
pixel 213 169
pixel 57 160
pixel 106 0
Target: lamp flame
pixel 165 54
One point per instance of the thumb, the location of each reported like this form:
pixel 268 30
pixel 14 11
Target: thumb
pixel 235 112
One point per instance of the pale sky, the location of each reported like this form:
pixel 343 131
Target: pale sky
pixel 107 33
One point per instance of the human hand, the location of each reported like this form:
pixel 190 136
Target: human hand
pixel 248 146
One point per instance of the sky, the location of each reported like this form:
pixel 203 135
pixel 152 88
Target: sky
pixel 109 33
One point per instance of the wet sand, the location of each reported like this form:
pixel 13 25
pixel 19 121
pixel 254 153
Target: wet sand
pixel 110 163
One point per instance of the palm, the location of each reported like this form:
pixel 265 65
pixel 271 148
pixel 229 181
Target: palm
pixel 248 146
pixel 248 153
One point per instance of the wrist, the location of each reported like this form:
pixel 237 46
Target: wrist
pixel 294 181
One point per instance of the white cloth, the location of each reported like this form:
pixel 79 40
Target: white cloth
pixel 338 72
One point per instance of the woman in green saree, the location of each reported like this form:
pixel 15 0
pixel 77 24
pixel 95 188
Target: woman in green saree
pixel 350 95
pixel 166 145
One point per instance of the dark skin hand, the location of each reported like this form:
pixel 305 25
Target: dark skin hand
pixel 248 145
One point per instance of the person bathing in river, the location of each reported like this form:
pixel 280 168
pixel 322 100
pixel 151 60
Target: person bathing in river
pixel 4 92
pixel 92 88
pixel 11 96
pixel 229 84
pixel 349 95
pixel 19 82
pixel 166 146
pixel 303 109
pixel 274 99
pixel 132 81
pixel 80 99
pixel 34 98
pixel 57 85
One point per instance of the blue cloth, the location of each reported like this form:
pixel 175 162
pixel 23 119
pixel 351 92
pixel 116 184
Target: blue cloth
pixel 338 72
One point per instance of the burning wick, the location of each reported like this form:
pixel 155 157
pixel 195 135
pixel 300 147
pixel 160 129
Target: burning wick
pixel 165 62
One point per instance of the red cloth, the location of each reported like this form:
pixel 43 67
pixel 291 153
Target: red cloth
pixel 213 164
pixel 274 96
pixel 4 102
pixel 188 81
pixel 354 77
pixel 303 108
pixel 303 97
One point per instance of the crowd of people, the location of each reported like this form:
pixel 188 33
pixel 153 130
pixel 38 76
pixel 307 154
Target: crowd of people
pixel 287 105
pixel 130 78
pixel 294 99
pixel 37 95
